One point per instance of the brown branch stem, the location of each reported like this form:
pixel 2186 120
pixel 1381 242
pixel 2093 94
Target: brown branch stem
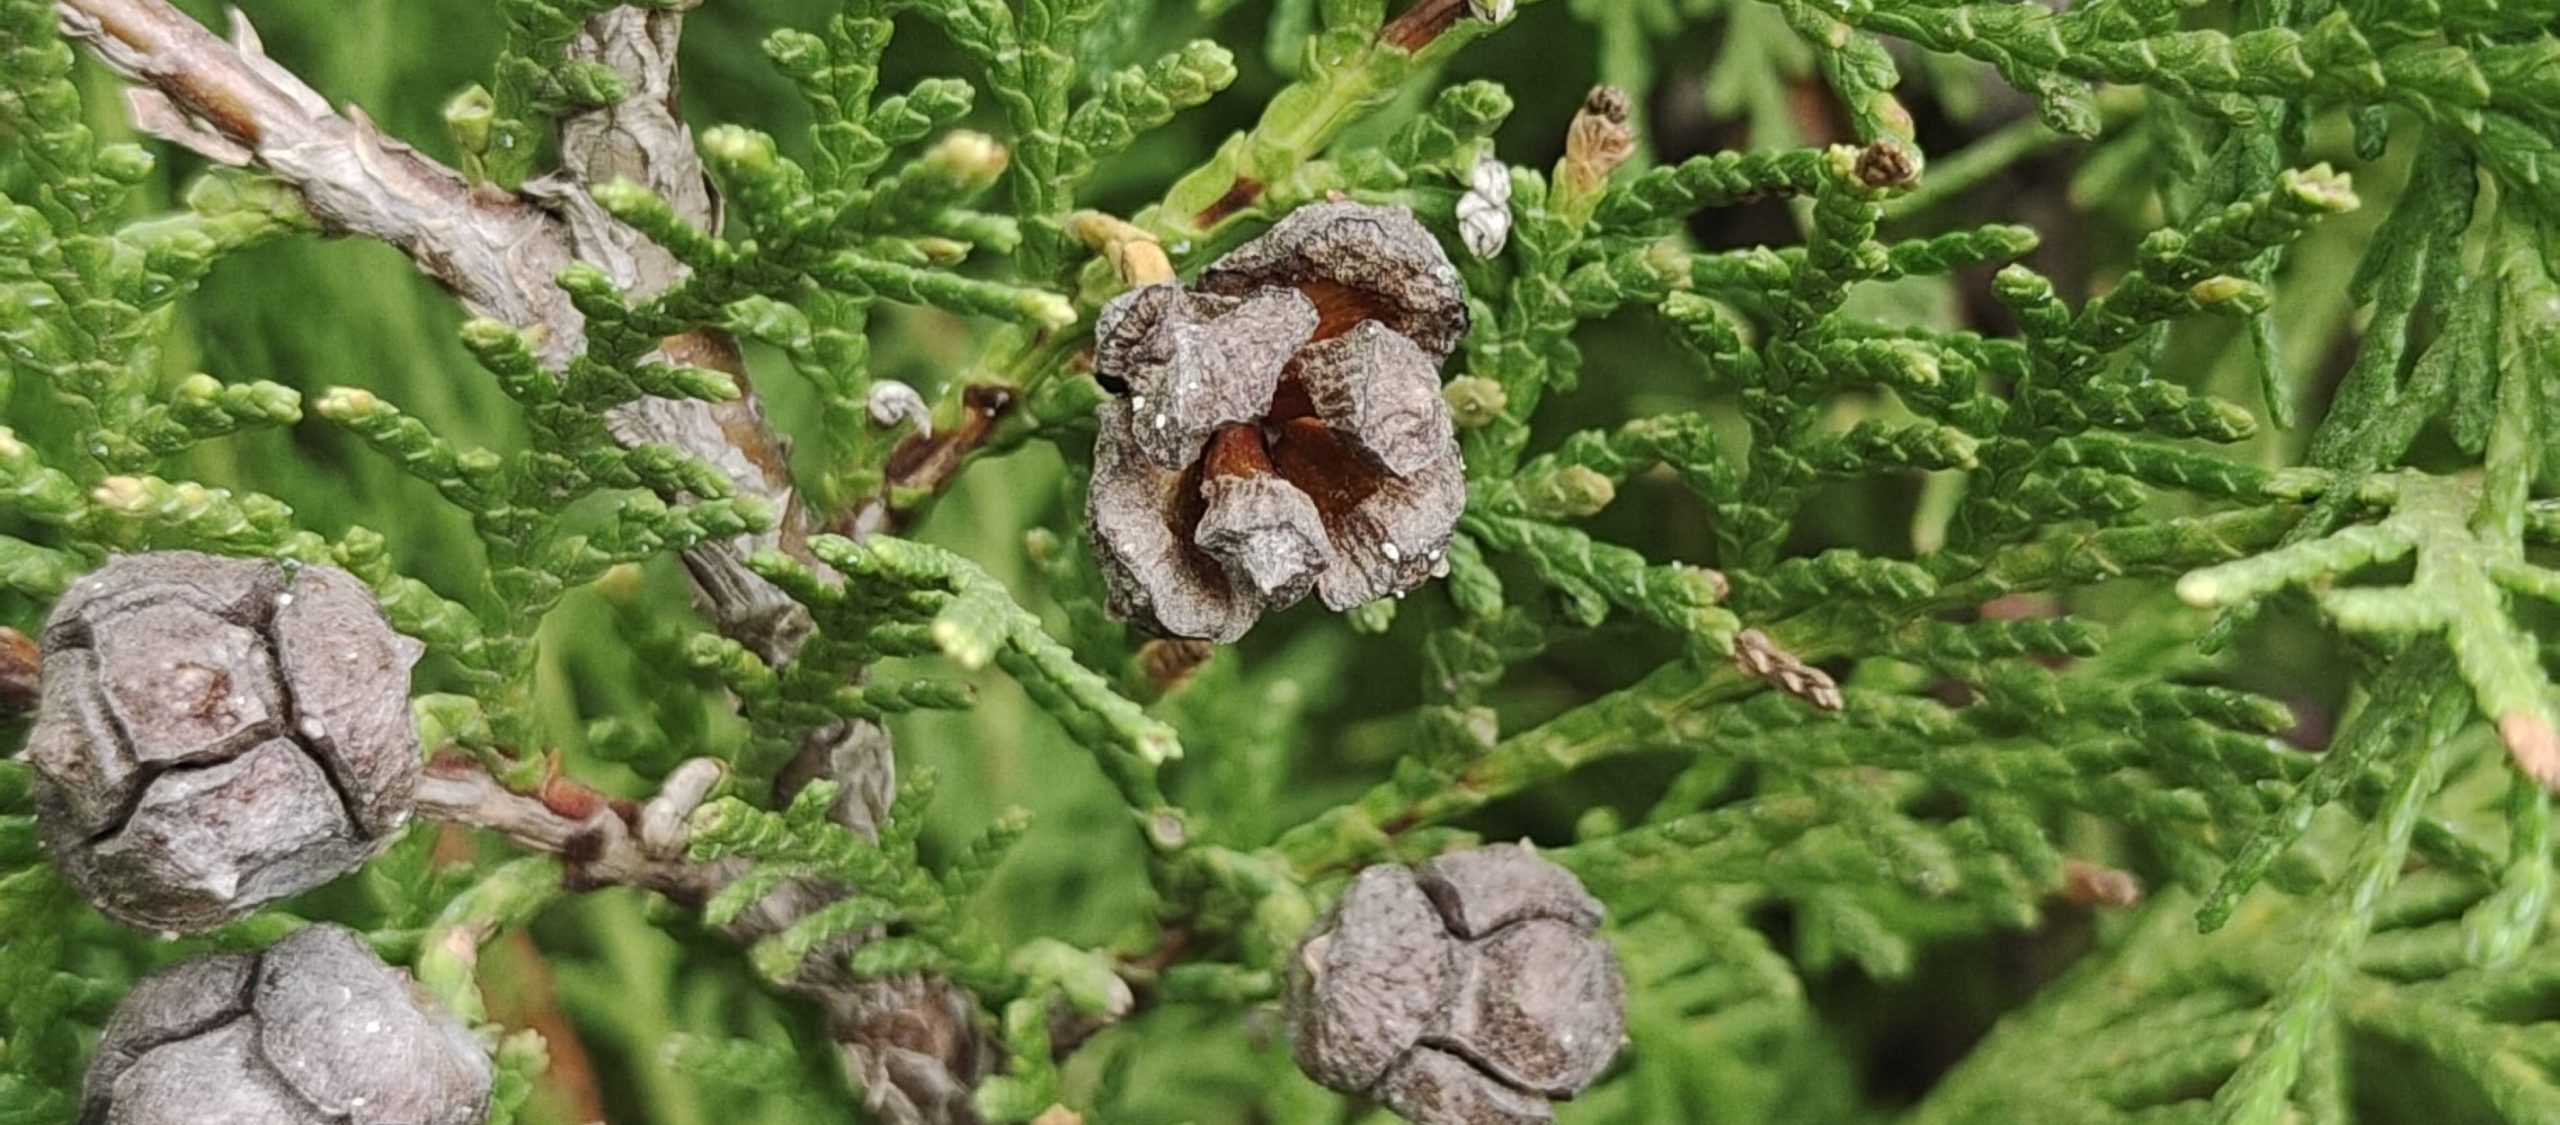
pixel 20 662
pixel 1422 23
pixel 910 1041
pixel 598 839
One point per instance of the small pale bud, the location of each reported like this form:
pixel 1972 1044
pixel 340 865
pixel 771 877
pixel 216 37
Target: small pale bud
pixel 2225 293
pixel 1475 401
pixel 1887 163
pixel 1573 492
pixel 625 199
pixel 198 388
pixel 481 333
pixel 125 164
pixel 969 155
pixel 1050 309
pixel 740 148
pixel 893 402
pixel 121 493
pixel 1759 657
pixel 1599 139
pixel 470 116
pixel 1491 11
pixel 346 402
pixel 942 251
pixel 2320 188
pixel 1484 212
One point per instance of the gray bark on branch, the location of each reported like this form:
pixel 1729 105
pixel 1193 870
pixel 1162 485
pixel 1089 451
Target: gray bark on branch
pixel 498 253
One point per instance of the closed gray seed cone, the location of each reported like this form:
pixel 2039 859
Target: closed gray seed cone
pixel 231 589
pixel 203 842
pixel 215 734
pixel 334 648
pixel 195 1081
pixel 182 1001
pixel 1371 984
pixel 1481 890
pixel 349 1035
pixel 314 1031
pixel 185 687
pixel 1473 994
pixel 90 774
pixel 1540 1007
pixel 1433 1087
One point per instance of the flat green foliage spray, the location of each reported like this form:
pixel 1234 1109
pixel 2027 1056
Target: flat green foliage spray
pixel 2003 543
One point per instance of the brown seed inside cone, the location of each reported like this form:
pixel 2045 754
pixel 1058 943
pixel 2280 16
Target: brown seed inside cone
pixel 1236 451
pixel 1330 472
pixel 1339 307
pixel 1291 400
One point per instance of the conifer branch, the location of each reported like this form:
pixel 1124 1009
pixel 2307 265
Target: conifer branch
pixel 498 253
pixel 1842 632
